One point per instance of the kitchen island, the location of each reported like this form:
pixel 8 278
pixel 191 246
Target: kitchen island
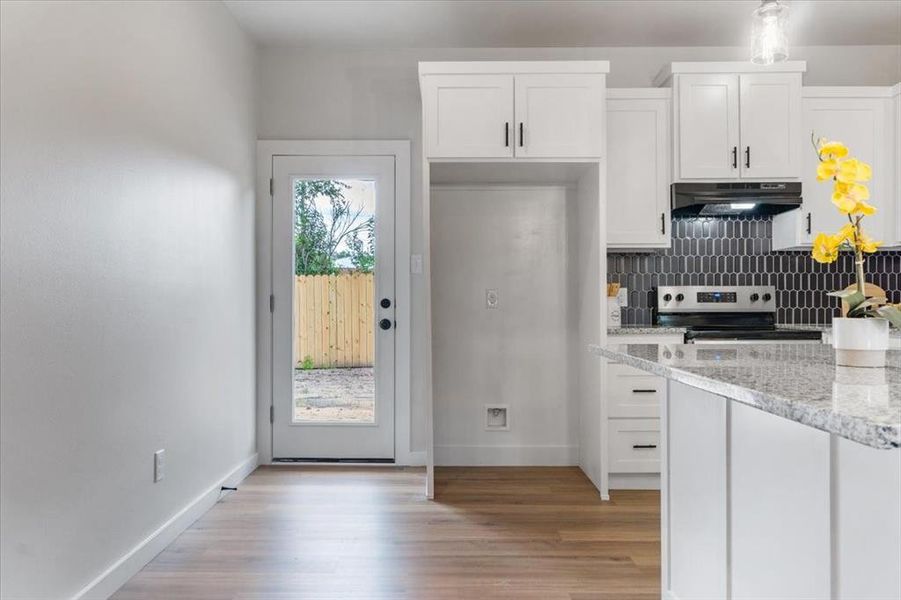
pixel 781 473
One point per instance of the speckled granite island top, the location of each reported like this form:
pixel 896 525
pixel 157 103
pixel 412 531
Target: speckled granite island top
pixel 796 381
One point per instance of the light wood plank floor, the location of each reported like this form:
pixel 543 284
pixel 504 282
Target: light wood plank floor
pixel 343 533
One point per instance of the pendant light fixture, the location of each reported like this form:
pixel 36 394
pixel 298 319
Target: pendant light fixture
pixel 769 42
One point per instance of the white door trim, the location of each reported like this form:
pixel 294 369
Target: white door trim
pixel 400 150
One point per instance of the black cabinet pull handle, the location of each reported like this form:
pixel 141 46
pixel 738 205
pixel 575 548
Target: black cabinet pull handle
pixel 734 157
pixel 747 157
pixel 640 446
pixel 507 134
pixel 520 134
pixel 809 228
pixel 644 391
pixel 663 223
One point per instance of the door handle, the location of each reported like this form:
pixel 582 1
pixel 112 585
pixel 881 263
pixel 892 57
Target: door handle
pixel 385 324
pixel 663 223
pixel 734 157
pixel 507 134
pixel 809 228
pixel 520 134
pixel 644 391
pixel 639 446
pixel 747 157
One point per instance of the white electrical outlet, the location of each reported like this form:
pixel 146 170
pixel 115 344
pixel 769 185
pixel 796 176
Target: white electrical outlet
pixel 159 465
pixel 491 298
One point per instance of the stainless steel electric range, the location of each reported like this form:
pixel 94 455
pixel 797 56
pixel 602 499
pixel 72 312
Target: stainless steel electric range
pixel 726 315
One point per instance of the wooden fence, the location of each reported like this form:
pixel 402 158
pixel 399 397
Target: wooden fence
pixel 333 320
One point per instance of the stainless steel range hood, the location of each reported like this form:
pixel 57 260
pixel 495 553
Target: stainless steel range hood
pixel 738 198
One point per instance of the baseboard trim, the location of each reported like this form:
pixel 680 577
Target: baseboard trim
pixel 134 560
pixel 415 459
pixel 635 481
pixel 507 456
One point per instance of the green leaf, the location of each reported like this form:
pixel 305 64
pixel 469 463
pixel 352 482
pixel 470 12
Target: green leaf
pixel 852 297
pixel 892 314
pixel 865 306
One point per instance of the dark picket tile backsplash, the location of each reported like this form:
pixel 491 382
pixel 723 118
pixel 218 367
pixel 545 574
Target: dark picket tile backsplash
pixel 738 251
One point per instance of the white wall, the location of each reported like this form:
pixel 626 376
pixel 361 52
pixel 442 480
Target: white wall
pixel 126 252
pixel 515 240
pixel 374 94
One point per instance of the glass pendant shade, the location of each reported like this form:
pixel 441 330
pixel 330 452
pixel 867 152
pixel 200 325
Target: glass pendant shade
pixel 769 42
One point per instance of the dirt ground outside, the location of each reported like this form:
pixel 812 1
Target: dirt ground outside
pixel 334 395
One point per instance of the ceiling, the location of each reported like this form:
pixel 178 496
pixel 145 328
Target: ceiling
pixel 547 23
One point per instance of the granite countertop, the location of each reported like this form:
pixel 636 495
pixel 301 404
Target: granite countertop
pixel 645 330
pixel 795 381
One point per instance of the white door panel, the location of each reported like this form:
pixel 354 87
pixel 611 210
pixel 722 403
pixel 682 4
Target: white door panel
pixel 367 434
pixel 770 125
pixel 559 115
pixel 708 126
pixel 468 116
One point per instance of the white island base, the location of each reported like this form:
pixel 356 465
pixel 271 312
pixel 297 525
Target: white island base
pixel 756 506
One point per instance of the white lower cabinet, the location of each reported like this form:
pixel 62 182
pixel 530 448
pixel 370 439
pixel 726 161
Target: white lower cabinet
pixel 633 399
pixel 760 507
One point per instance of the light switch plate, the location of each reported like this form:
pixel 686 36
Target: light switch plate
pixel 159 465
pixel 416 264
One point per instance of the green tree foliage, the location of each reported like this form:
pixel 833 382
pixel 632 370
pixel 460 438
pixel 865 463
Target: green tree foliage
pixel 316 240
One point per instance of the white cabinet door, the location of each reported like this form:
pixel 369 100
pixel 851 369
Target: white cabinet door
pixel 860 123
pixel 559 115
pixel 770 114
pixel 468 116
pixel 638 164
pixel 708 126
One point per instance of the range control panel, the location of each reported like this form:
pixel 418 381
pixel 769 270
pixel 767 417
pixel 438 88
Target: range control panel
pixel 710 299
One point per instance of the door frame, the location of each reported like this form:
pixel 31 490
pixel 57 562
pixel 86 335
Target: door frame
pixel 400 150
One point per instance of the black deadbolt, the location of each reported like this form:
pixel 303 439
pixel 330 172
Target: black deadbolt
pixel 386 303
pixel 385 323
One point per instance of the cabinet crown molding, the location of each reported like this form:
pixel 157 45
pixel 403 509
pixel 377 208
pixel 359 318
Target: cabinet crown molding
pixel 676 68
pixel 500 67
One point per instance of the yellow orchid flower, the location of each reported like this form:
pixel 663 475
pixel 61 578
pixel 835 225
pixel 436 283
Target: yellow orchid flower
pixel 846 233
pixel 832 150
pixel 867 244
pixel 825 248
pixel 827 169
pixel 850 198
pixel 852 171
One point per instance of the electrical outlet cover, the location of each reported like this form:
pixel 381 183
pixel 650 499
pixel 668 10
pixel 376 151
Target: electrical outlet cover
pixel 491 298
pixel 159 464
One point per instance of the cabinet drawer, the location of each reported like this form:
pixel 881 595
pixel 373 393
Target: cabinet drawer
pixel 632 393
pixel 634 445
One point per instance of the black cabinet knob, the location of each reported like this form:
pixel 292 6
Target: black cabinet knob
pixel 385 303
pixel 385 323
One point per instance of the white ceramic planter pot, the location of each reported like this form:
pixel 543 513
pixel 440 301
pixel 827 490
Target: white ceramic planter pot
pixel 860 342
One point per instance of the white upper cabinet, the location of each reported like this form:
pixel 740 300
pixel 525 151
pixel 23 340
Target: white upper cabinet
pixel 535 110
pixel 896 160
pixel 638 167
pixel 559 115
pixel 708 126
pixel 859 118
pixel 770 115
pixel 469 115
pixel 736 121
